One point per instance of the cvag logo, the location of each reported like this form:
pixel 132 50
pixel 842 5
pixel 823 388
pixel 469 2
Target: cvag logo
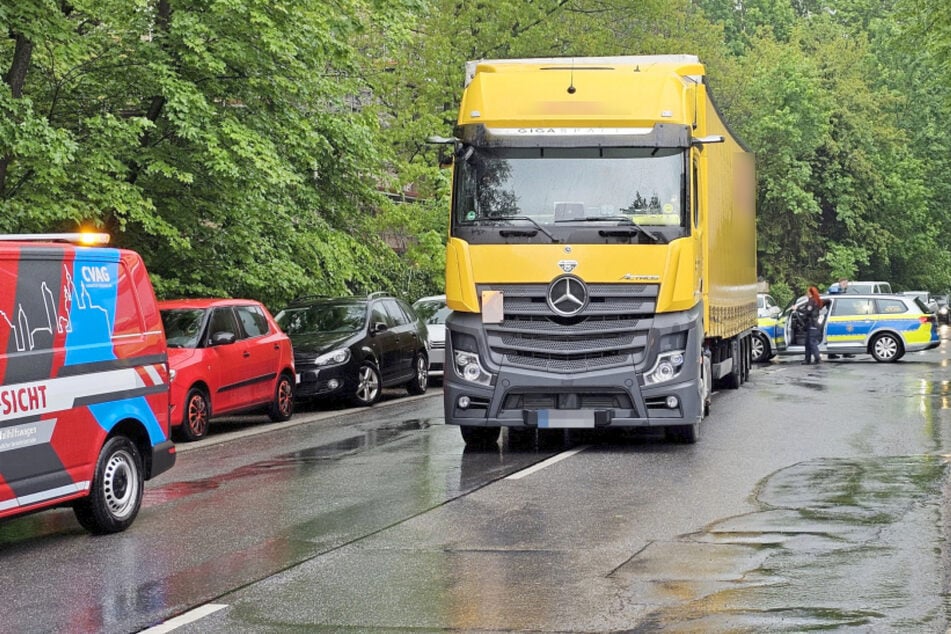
pixel 95 274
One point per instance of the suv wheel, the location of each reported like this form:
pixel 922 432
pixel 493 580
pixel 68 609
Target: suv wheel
pixel 367 391
pixel 420 380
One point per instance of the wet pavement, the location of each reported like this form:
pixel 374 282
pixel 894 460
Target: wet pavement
pixel 815 499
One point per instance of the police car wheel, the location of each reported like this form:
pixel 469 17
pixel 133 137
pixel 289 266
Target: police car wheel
pixel 116 493
pixel 282 407
pixel 886 348
pixel 760 348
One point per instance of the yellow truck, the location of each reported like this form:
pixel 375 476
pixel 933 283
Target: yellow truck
pixel 601 261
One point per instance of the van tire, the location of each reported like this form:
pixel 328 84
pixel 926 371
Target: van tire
pixel 196 416
pixel 117 488
pixel 282 407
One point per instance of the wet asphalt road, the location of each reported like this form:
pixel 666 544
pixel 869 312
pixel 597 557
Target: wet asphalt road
pixel 815 500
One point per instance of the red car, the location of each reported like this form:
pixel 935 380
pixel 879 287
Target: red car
pixel 226 356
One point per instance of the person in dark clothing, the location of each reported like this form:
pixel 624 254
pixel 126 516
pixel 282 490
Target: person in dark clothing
pixel 808 314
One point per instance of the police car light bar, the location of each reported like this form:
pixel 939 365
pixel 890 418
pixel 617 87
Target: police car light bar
pixel 84 238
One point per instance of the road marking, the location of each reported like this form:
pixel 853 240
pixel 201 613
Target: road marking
pixel 184 619
pixel 518 475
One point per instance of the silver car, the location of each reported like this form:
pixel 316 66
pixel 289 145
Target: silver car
pixel 433 311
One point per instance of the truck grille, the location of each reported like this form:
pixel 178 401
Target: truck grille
pixel 611 331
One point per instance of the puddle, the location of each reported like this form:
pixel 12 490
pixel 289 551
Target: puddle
pixel 291 462
pixel 837 544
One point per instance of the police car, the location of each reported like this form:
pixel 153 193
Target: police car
pixel 883 326
pixel 768 335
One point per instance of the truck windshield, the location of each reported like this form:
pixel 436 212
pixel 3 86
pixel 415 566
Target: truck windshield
pixel 564 188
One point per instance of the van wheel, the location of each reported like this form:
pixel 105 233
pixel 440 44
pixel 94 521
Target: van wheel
pixel 885 348
pixel 117 487
pixel 420 381
pixel 282 408
pixel 367 391
pixel 197 414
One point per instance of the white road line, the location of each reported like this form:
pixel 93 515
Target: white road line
pixel 184 619
pixel 518 475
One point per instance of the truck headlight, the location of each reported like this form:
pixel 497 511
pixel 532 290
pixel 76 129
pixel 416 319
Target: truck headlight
pixel 468 368
pixel 667 367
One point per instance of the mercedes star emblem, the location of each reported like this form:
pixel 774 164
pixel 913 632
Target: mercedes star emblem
pixel 567 295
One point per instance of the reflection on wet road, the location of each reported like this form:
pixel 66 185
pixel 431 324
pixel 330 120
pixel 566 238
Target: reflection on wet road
pixel 837 544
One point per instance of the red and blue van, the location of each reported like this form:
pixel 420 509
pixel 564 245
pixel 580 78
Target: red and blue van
pixel 84 380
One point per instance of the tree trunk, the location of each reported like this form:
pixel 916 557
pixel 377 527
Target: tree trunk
pixel 15 78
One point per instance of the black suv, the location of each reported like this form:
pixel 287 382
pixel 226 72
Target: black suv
pixel 352 347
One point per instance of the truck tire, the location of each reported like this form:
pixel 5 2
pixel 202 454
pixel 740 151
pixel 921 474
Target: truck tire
pixel 479 437
pixel 685 434
pixel 734 379
pixel 116 491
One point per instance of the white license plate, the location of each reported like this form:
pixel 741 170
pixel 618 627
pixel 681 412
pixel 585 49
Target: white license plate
pixel 565 419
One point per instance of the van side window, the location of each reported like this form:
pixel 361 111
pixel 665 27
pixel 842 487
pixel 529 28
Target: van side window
pixel 252 320
pixel 128 322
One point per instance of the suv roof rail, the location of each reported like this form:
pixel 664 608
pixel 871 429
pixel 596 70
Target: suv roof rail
pixel 84 238
pixel 376 294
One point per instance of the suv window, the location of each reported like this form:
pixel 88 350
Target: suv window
pixel 397 314
pixel 378 314
pixel 852 306
pixel 891 306
pixel 252 320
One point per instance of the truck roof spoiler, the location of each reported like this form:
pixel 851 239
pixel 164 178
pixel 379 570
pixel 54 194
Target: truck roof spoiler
pixel 616 60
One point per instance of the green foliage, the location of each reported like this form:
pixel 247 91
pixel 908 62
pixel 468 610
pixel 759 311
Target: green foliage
pixel 260 148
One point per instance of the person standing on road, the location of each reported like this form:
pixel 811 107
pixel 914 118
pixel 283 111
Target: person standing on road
pixel 809 316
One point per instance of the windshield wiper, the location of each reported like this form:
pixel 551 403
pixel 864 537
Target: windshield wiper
pixel 509 218
pixel 621 220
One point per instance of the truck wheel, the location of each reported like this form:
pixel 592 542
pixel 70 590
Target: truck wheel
pixel 479 437
pixel 420 381
pixel 116 492
pixel 733 380
pixel 282 407
pixel 686 434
